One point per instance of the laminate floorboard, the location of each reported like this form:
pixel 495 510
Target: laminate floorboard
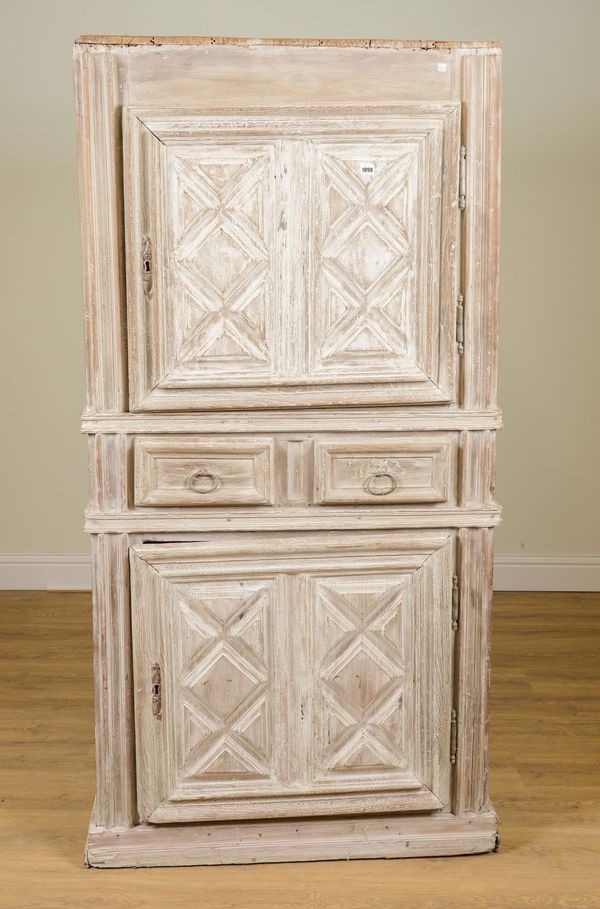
pixel 544 780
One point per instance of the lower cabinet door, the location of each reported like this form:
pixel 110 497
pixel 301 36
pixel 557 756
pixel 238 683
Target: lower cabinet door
pixel 292 674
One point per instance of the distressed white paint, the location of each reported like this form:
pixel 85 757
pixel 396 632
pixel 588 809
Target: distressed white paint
pixel 294 253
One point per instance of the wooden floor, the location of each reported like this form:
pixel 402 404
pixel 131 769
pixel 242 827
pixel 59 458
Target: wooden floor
pixel 545 781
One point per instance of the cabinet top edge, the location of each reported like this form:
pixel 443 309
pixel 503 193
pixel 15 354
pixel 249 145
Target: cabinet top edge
pixel 160 40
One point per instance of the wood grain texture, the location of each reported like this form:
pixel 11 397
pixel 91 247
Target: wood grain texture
pixel 186 470
pixel 115 793
pixel 291 219
pixel 168 521
pixel 109 472
pixel 292 479
pixel 472 668
pixel 545 736
pixel 477 480
pixel 156 40
pixel 415 469
pixel 97 98
pixel 346 655
pixel 293 841
pixel 407 419
pixel 481 89
pixel 287 470
pixel 301 256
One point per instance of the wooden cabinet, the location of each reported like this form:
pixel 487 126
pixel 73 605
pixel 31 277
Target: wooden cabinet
pixel 290 280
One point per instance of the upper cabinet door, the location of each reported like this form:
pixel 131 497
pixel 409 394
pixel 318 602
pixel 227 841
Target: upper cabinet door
pixel 291 257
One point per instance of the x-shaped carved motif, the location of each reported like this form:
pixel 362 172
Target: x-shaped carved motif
pixel 223 311
pixel 222 639
pixel 366 208
pixel 363 633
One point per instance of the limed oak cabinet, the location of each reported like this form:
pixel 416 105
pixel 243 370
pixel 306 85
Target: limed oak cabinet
pixel 290 262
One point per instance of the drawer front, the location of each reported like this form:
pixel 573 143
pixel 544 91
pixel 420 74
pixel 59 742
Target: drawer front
pixel 192 471
pixel 382 472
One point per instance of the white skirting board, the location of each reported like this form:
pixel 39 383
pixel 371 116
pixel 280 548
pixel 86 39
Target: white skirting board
pixel 547 572
pixel 511 572
pixel 45 571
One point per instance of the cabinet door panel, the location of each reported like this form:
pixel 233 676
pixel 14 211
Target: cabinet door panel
pixel 379 673
pixel 291 258
pixel 292 682
pixel 219 730
pixel 223 263
pixel 361 654
pixel 376 259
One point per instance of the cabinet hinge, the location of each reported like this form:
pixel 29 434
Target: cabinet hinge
pixel 462 178
pixel 453 736
pixel 460 324
pixel 147 265
pixel 455 602
pixel 156 692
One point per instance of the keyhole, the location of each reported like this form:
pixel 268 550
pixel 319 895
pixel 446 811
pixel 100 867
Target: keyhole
pixel 146 265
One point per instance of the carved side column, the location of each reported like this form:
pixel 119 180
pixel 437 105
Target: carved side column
pixel 115 779
pixel 475 560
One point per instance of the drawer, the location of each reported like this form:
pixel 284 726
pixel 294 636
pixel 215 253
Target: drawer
pixel 380 472
pixel 194 471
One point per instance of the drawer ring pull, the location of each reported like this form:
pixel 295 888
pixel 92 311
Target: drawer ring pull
pixel 378 491
pixel 213 482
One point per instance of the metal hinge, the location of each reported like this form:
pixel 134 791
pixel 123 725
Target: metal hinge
pixel 147 264
pixel 455 602
pixel 460 324
pixel 462 178
pixel 453 736
pixel 156 692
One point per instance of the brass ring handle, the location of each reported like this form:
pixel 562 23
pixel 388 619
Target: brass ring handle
pixel 378 491
pixel 211 482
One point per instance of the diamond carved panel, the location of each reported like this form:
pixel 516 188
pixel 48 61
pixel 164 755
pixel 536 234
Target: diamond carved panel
pixel 359 673
pixel 221 262
pixel 365 257
pixel 224 680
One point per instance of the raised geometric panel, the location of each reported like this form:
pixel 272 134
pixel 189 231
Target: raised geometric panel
pixel 224 680
pixel 366 255
pixel 219 279
pixel 358 675
pixel 223 686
